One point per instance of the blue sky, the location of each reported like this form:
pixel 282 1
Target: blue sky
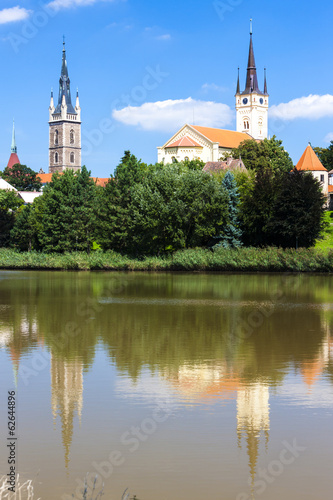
pixel 171 62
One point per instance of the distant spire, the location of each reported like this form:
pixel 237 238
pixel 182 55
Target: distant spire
pixel 251 27
pixel 238 86
pixel 13 147
pixel 265 83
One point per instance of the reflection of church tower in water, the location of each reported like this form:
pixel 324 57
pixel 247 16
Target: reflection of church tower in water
pixel 67 396
pixel 252 419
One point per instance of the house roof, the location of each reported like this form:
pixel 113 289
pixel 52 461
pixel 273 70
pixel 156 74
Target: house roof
pixel 220 166
pixel 46 178
pixel 225 138
pixel 310 161
pixel 5 185
pixel 100 181
pixel 13 159
pixel 330 188
pixel 29 196
pixel 185 141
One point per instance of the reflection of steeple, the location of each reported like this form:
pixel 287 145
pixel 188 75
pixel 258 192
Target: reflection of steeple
pixel 252 418
pixel 67 396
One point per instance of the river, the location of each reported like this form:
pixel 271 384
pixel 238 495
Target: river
pixel 175 386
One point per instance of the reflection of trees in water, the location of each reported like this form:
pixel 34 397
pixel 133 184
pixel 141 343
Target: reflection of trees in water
pixel 179 319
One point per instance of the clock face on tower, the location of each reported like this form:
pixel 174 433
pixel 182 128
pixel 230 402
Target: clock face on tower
pixel 261 100
pixel 245 100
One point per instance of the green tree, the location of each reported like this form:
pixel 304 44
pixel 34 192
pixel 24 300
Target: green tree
pixel 268 153
pixel 9 203
pixel 22 178
pixel 232 232
pixel 176 208
pixel 28 225
pixel 297 218
pixel 257 205
pixel 325 155
pixel 69 212
pixel 114 224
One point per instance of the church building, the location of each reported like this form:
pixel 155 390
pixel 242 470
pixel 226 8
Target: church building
pixel 64 126
pixel 212 144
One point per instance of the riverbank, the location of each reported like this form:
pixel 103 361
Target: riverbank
pixel 239 260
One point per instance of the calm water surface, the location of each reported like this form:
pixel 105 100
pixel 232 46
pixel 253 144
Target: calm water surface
pixel 179 387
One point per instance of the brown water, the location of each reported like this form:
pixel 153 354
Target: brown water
pixel 177 386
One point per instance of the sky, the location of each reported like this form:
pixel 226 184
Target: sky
pixel 145 68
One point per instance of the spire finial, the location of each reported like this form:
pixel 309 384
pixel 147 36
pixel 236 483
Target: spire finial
pixel 13 147
pixel 251 31
pixel 63 43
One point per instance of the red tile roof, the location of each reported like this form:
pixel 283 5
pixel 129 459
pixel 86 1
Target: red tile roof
pixel 46 178
pixel 13 159
pixel 310 161
pixel 225 138
pixel 330 188
pixel 100 181
pixel 186 142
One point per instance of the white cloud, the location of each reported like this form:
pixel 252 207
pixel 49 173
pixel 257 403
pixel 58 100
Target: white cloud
pixel 167 36
pixel 14 14
pixel 311 107
pixel 212 86
pixel 329 137
pixel 65 4
pixel 172 114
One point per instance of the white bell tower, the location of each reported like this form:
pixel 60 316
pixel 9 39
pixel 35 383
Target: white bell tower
pixel 252 104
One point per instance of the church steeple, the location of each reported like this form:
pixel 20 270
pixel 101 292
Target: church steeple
pixel 13 148
pixel 64 85
pixel 252 103
pixel 251 75
pixel 64 125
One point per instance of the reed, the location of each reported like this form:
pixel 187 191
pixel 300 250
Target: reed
pixel 270 259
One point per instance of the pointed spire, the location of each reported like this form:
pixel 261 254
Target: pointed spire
pixel 64 84
pixel 13 147
pixel 251 77
pixel 238 86
pixel 265 83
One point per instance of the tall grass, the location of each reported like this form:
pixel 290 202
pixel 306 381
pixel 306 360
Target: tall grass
pixel 23 491
pixel 269 259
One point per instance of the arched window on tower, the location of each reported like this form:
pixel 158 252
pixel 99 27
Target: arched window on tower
pixel 56 157
pixel 72 157
pixel 56 137
pixel 246 125
pixel 71 137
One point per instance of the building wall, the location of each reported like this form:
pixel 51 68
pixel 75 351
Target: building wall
pixel 208 151
pixel 64 148
pixel 319 175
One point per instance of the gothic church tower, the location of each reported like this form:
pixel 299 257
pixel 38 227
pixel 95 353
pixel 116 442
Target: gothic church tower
pixel 252 104
pixel 65 126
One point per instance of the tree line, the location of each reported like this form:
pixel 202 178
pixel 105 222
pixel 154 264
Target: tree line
pixel 158 209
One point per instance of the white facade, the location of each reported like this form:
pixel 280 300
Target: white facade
pixel 252 115
pixel 209 144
